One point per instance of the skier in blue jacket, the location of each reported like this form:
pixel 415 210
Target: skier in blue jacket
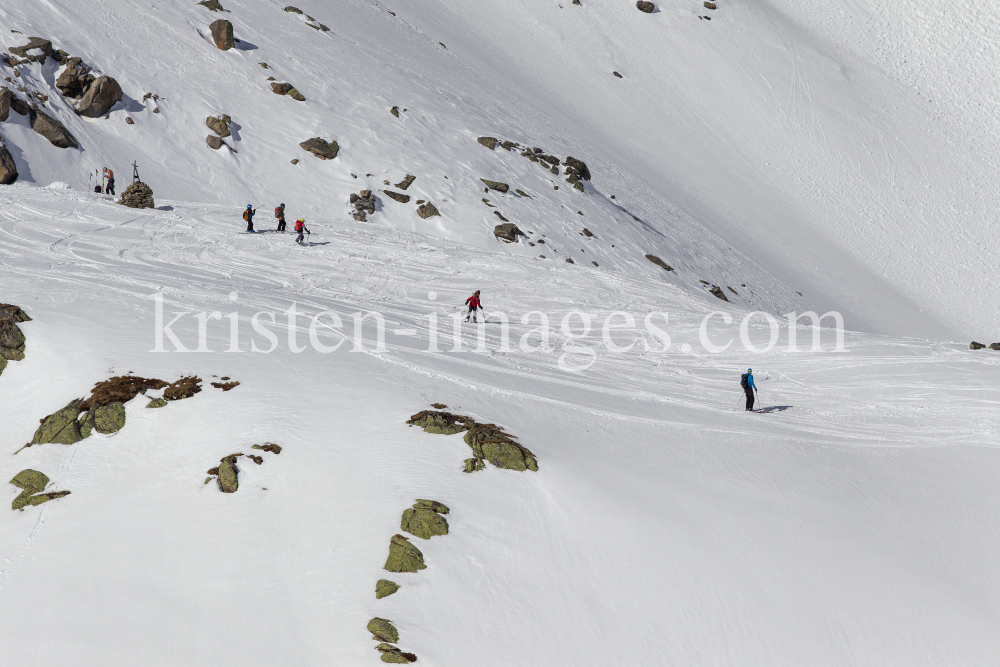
pixel 746 381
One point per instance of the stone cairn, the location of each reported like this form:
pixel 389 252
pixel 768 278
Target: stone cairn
pixel 137 195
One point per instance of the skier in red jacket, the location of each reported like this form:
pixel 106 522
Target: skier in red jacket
pixel 473 303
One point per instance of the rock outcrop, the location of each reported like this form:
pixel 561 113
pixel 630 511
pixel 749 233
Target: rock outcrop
pixel 32 484
pixel 404 556
pixel 398 196
pixel 219 125
pixel 75 78
pixel 222 34
pixel 384 588
pixel 383 630
pixel 490 443
pixel 659 262
pixel 406 182
pixel 507 232
pixel 60 428
pixel 5 97
pixel 51 129
pixel 424 519
pixel 12 339
pixel 444 423
pixel 34 43
pixel 214 142
pixel 976 346
pixel 364 204
pixel 321 148
pixel 102 94
pixel 8 169
pixel 287 89
pixel 495 185
pixel 138 195
pixel 489 142
pixel 576 171
pixel 212 5
pixel 717 292
pixel 427 210
pixel 393 655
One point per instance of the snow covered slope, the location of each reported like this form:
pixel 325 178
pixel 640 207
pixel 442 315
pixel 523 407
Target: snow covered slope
pixel 770 146
pixel 854 522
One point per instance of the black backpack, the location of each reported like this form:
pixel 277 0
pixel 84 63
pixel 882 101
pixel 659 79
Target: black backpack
pixel 743 381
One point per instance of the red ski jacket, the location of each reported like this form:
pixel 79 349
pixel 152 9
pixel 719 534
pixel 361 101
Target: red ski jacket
pixel 473 301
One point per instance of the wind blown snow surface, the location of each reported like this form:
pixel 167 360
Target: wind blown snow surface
pixel 810 156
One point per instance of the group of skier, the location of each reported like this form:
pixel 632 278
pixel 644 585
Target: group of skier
pixel 279 214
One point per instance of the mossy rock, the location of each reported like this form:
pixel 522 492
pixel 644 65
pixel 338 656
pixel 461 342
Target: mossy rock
pixel 444 423
pixel 109 418
pixel 293 10
pixel 157 403
pixel 211 5
pixel 394 111
pixel 296 95
pixel 383 630
pixel 432 505
pixel 32 484
pixel 3 363
pixel 86 424
pixel 489 142
pixel 392 654
pixel 490 443
pixel 474 464
pixel 404 556
pixel 976 346
pixel 228 476
pixel 60 428
pixel 406 182
pixel 423 523
pixel 384 588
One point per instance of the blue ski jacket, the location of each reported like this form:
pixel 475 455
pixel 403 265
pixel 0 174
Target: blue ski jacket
pixel 750 383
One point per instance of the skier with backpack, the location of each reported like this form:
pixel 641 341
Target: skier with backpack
pixel 746 381
pixel 300 227
pixel 248 216
pixel 473 303
pixel 279 213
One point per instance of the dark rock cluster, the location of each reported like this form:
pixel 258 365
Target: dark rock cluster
pixel 12 341
pixel 364 204
pixel 489 442
pixel 321 148
pixel 138 195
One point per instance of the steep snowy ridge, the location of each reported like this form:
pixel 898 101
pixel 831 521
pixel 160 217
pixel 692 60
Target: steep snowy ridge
pixel 800 156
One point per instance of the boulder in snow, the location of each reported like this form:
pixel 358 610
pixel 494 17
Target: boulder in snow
pixel 404 556
pixel 324 150
pixel 427 210
pixel 287 89
pixel 61 427
pixel 214 142
pixel 102 94
pixel 219 125
pixel 222 34
pixel 644 6
pixel 659 262
pixel 423 521
pixel 383 630
pixel 489 142
pixel 398 196
pixel 52 129
pixel 976 346
pixel 5 97
pixel 391 654
pixel 717 292
pixel 229 474
pixel 385 588
pixel 109 418
pixel 44 45
pixel 406 182
pixel 445 423
pixel 32 484
pixel 212 5
pixel 11 341
pixel 496 185
pixel 157 403
pixel 490 443
pixel 507 232
pixel 8 170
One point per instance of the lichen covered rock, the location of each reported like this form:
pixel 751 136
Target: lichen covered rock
pixel 489 142
pixel 222 34
pixel 61 427
pixel 393 655
pixel 424 522
pixel 427 210
pixel 445 423
pixel 490 443
pixel 383 630
pixel 507 232
pixel 102 94
pixel 109 418
pixel 32 484
pixel 406 182
pixel 496 185
pixel 404 556
pixel 228 475
pixel 384 588
pixel 12 341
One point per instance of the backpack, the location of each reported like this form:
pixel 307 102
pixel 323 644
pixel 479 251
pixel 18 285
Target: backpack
pixel 277 211
pixel 246 214
pixel 743 381
pixel 299 225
